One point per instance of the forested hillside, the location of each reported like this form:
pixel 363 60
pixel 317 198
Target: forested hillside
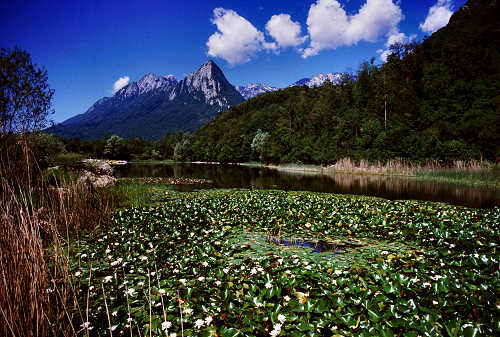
pixel 437 100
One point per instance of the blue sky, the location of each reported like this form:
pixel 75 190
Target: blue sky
pixel 86 46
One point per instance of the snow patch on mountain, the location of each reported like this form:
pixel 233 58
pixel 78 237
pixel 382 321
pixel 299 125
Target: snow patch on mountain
pixel 254 89
pixel 319 79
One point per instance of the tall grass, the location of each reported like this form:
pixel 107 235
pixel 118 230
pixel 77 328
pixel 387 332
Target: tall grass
pixel 400 166
pixel 38 222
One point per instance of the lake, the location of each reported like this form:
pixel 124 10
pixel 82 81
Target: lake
pixel 244 177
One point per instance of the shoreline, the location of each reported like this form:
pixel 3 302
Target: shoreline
pixel 463 175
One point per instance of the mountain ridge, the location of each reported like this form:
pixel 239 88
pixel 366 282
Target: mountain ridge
pixel 154 105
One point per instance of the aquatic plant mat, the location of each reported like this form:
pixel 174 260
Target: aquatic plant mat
pixel 268 263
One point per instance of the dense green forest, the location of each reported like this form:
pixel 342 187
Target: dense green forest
pixel 437 100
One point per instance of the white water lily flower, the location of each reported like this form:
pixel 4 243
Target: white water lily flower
pixel 86 325
pixel 166 325
pixel 199 323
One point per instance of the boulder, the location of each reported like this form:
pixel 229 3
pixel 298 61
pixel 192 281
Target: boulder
pixel 98 167
pixel 96 180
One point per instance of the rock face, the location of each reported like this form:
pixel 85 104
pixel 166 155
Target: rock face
pixel 155 105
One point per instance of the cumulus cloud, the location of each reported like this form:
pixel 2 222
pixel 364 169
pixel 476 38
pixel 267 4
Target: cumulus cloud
pixel 395 37
pixel 236 40
pixel 438 16
pixel 285 31
pixel 120 83
pixel 329 25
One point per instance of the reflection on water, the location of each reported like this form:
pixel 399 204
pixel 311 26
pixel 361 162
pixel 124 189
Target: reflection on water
pixel 319 246
pixel 233 176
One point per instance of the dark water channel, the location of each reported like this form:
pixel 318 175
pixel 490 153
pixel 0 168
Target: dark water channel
pixel 394 188
pixel 320 246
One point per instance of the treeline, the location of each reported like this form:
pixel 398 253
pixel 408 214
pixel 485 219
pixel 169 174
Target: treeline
pixel 53 150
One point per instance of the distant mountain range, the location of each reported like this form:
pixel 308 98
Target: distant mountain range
pixel 254 89
pixel 158 104
pixel 319 79
pixel 155 105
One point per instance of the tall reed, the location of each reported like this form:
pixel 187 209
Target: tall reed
pixel 399 166
pixel 38 224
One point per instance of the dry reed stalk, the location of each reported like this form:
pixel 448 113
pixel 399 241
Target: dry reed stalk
pixel 37 295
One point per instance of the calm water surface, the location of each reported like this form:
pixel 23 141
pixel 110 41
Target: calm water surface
pixel 394 188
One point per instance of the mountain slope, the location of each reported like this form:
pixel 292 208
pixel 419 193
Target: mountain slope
pixel 155 105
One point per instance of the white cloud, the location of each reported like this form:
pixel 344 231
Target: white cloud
pixel 120 83
pixel 236 40
pixel 285 31
pixel 395 37
pixel 330 26
pixel 438 16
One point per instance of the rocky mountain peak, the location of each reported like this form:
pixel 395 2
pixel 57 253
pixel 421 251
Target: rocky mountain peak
pixel 208 84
